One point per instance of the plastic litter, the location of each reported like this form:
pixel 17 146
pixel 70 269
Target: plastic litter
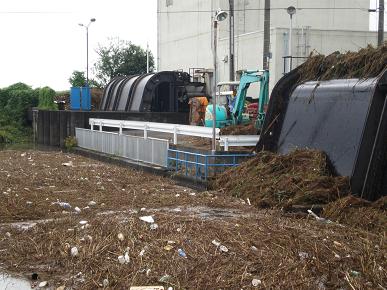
pixel 154 226
pixel 222 248
pixel 216 243
pixel 143 251
pixel 105 283
pixel 121 237
pixel 121 259
pixel 168 247
pixel 62 204
pixel 83 222
pixel 319 219
pixel 256 282
pixel 69 164
pixel 77 209
pixel 354 273
pixel 254 248
pixel 126 258
pixel 147 218
pixel 91 203
pixel 303 255
pixel 74 251
pixel 8 234
pixel 43 284
pixel 146 288
pixel 165 278
pixel 182 253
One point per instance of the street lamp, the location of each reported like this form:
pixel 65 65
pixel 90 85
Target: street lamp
pixel 87 48
pixel 291 11
pixel 220 15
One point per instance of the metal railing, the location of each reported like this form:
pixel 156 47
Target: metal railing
pixel 150 150
pixel 202 166
pixel 238 140
pixel 174 129
pixel 225 141
pixel 288 58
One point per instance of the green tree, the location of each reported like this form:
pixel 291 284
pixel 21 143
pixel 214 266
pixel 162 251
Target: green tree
pixel 46 99
pixel 120 57
pixel 15 101
pixel 77 79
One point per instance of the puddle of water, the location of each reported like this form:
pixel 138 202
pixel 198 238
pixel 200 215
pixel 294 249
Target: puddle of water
pixel 12 283
pixel 25 225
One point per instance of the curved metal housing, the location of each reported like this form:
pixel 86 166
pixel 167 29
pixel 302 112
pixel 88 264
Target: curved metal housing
pixel 154 92
pixel 345 118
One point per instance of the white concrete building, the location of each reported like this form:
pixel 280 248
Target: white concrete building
pixel 185 32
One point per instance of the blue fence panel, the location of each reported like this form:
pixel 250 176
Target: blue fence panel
pixel 202 166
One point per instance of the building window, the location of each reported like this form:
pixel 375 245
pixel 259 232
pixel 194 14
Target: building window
pixel 168 3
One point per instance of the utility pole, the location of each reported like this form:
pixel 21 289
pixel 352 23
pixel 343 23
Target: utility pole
pixel 147 57
pixel 231 42
pixel 381 23
pixel 266 36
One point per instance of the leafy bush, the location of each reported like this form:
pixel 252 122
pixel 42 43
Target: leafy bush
pixel 46 99
pixel 70 142
pixel 14 103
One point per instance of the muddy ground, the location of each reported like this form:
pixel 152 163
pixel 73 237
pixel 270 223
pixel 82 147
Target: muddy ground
pixel 228 244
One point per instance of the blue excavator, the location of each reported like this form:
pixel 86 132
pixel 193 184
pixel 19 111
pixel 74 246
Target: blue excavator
pixel 236 106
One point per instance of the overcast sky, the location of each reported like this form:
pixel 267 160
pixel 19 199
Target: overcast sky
pixel 42 43
pixel 44 47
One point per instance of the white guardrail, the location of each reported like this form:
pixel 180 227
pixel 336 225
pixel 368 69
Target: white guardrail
pixel 176 129
pixel 238 140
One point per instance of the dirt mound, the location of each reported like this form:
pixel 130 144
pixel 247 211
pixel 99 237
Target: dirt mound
pixel 366 63
pixel 358 213
pixel 244 129
pixel 302 177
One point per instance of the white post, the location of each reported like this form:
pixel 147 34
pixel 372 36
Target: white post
pixel 290 43
pixel 120 129
pixel 226 144
pixel 145 131
pixel 100 126
pixel 214 89
pixel 175 135
pixel 92 125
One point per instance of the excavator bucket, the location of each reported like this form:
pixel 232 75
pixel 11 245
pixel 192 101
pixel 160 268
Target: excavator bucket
pixel 345 118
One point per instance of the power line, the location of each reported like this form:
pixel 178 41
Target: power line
pixel 34 12
pixel 262 9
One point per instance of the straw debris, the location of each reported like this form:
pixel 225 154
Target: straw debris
pixel 271 180
pixel 368 62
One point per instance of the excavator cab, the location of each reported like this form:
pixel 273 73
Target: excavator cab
pixel 236 114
